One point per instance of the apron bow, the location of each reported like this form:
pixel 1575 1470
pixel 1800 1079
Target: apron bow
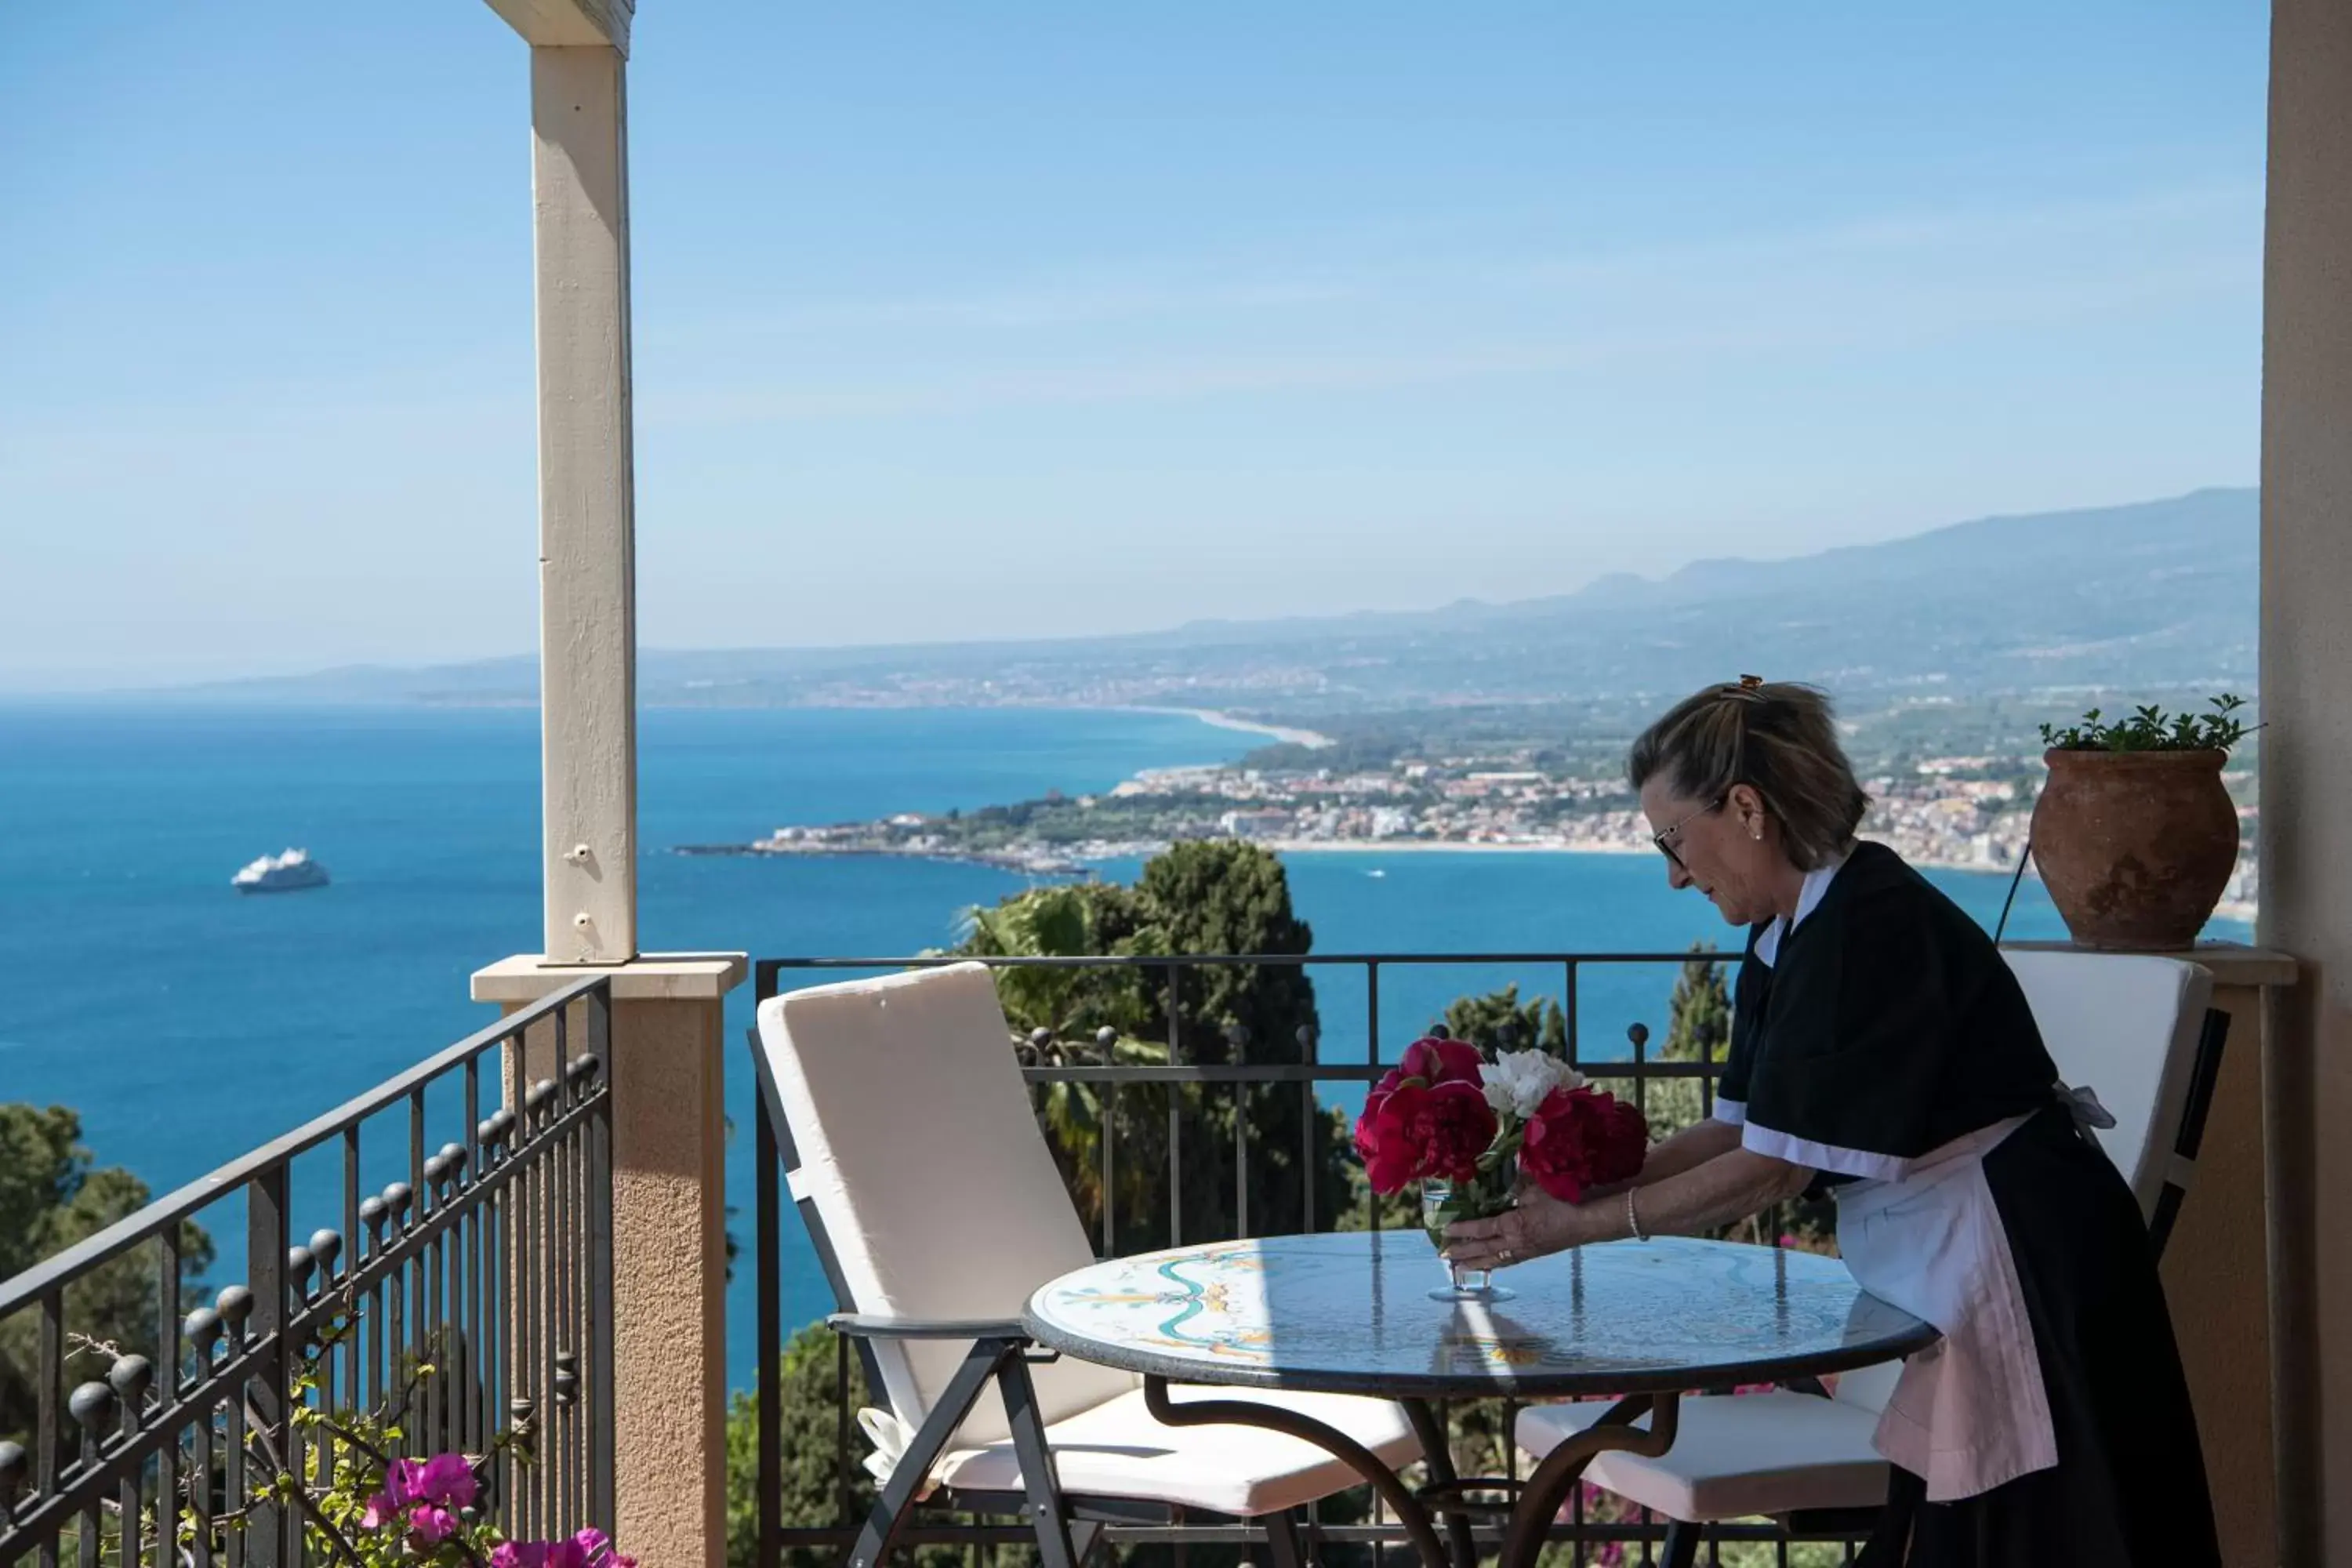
pixel 2083 1105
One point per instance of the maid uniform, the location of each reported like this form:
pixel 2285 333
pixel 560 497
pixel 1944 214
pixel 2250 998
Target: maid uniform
pixel 1880 1040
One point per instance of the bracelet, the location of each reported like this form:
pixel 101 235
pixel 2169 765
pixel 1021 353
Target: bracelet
pixel 1632 1216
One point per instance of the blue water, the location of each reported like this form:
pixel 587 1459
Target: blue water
pixel 188 1024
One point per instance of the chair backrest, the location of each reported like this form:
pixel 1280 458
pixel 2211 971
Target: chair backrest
pixel 919 1158
pixel 2127 1026
pixel 2132 1028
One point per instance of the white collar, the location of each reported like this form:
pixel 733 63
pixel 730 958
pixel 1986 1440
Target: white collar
pixel 1809 897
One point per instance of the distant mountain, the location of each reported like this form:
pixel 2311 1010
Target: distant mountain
pixel 2161 594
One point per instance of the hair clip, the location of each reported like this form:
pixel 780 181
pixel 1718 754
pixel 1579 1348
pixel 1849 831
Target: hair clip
pixel 1750 682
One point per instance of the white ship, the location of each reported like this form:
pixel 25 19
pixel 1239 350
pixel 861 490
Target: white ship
pixel 284 873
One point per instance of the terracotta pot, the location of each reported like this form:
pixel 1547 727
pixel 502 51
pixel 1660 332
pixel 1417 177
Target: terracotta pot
pixel 2135 848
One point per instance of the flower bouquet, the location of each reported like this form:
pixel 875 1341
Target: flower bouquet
pixel 1468 1128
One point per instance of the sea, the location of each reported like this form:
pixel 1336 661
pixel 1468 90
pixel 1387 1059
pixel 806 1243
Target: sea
pixel 187 1025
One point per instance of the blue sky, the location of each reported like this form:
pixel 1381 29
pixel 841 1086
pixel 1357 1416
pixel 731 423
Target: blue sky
pixel 967 322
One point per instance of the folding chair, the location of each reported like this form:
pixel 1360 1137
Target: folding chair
pixel 903 1122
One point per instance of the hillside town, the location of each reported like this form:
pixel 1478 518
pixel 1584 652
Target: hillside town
pixel 1966 813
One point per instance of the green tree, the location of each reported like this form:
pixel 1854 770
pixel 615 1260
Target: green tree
pixel 1499 1021
pixel 1698 1029
pixel 1207 897
pixel 52 1195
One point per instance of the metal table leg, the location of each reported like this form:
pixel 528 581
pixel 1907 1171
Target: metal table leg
pixel 1532 1517
pixel 1538 1502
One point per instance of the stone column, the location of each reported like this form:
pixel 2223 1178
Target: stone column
pixel 2306 759
pixel 669 1238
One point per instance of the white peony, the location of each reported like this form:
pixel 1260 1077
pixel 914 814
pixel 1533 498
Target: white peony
pixel 1517 1081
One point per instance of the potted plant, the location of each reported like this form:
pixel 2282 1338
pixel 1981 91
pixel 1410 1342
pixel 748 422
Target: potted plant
pixel 2135 834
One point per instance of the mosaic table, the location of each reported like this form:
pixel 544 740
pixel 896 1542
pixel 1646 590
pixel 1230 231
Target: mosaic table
pixel 1351 1313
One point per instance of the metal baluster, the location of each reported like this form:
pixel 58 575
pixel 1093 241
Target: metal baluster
pixel 566 1383
pixel 477 1437
pixel 47 1433
pixel 415 1266
pixel 1308 1125
pixel 167 1350
pixel 602 1440
pixel 372 1213
pixel 353 1325
pixel 1175 1108
pixel 1237 1049
pixel 128 1379
pixel 1567 1011
pixel 235 1305
pixel 768 1238
pixel 398 1201
pixel 1639 1033
pixel 92 1407
pixel 204 1330
pixel 1107 1046
pixel 293 1440
pixel 327 1246
pixel 1372 1059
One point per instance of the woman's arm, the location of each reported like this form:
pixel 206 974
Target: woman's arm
pixel 1728 1187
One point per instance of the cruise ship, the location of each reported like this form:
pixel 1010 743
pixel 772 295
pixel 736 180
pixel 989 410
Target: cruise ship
pixel 284 873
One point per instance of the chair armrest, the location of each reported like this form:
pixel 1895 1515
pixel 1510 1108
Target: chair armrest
pixel 867 1326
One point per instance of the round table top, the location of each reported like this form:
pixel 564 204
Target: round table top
pixel 1350 1312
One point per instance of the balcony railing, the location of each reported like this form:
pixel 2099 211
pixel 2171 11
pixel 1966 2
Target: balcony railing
pixel 1203 1053
pixel 466 1303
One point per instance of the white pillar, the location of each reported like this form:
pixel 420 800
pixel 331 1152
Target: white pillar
pixel 2306 765
pixel 587 506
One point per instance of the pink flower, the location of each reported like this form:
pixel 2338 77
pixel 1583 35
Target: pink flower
pixel 380 1510
pixel 432 1525
pixel 402 1483
pixel 599 1548
pixel 506 1555
pixel 448 1479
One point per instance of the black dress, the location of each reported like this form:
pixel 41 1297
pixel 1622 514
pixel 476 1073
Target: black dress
pixel 1868 1040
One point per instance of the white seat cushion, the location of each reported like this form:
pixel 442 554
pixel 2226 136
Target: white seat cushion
pixel 1735 1455
pixel 1118 1449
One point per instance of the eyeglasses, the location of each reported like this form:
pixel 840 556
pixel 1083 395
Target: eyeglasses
pixel 1660 838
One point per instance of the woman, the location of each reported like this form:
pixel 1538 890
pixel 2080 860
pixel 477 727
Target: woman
pixel 1881 1048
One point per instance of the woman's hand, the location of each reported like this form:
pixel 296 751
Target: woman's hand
pixel 1541 1223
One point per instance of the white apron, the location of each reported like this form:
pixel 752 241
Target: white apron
pixel 1968 1413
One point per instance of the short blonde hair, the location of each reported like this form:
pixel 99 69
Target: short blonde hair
pixel 1780 739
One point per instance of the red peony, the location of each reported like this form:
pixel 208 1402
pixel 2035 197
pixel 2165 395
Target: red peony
pixel 1457 1126
pixel 1390 1156
pixel 1415 1120
pixel 1436 1061
pixel 1412 1131
pixel 1582 1138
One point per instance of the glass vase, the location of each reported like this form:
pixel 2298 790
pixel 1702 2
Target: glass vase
pixel 1442 1204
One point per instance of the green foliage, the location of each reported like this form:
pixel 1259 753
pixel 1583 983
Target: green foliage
pixel 2150 729
pixel 1218 896
pixel 810 1376
pixel 51 1196
pixel 1499 1021
pixel 1698 1029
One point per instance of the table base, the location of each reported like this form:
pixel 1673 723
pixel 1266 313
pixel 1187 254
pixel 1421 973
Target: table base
pixel 1538 1498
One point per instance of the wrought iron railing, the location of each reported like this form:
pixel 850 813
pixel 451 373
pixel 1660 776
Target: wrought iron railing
pixel 1205 1053
pixel 466 1303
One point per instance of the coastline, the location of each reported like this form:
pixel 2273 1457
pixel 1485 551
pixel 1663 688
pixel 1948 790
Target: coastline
pixel 1312 740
